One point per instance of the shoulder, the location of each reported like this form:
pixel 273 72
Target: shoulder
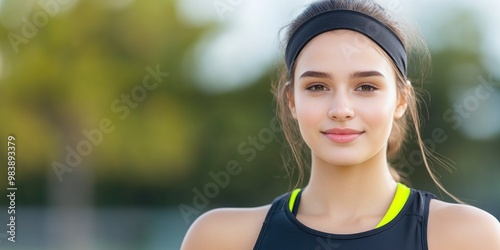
pixel 226 228
pixel 457 226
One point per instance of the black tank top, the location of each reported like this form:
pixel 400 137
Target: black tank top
pixel 407 231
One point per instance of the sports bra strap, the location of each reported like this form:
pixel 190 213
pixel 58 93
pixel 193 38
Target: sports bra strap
pixel 274 206
pixel 399 201
pixel 293 197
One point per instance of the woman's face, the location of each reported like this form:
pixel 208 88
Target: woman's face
pixel 345 98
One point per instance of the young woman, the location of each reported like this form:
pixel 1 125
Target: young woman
pixel 346 95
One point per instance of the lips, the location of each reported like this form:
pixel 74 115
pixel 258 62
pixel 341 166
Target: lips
pixel 342 135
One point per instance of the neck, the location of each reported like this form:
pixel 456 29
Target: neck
pixel 365 188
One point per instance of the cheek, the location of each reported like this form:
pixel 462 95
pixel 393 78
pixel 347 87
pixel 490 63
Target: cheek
pixel 309 110
pixel 379 113
pixel 310 114
pixel 305 114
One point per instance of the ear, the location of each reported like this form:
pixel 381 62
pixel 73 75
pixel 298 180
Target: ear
pixel 291 100
pixel 402 103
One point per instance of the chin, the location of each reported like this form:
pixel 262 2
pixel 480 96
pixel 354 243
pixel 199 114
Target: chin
pixel 344 163
pixel 343 159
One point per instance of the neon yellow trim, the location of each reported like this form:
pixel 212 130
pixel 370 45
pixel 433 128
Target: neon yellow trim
pixel 293 196
pixel 400 198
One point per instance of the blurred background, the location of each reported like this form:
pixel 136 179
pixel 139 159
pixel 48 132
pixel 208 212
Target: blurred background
pixel 131 118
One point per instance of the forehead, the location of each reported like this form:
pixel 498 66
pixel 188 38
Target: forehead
pixel 343 51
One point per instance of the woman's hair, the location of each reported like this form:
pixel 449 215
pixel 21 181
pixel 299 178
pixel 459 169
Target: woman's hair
pixel 283 90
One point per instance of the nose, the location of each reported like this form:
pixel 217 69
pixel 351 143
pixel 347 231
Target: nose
pixel 341 108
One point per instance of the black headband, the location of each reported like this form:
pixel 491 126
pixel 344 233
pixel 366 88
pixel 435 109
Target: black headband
pixel 351 20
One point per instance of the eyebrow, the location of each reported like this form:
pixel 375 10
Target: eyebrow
pixel 361 74
pixel 316 74
pixel 358 74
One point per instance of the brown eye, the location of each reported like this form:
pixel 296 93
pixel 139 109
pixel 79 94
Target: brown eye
pixel 366 88
pixel 317 87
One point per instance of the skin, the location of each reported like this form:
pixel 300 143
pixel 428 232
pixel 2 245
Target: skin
pixel 350 187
